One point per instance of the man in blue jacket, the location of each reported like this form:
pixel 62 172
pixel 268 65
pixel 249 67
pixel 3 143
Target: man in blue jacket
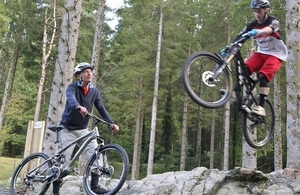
pixel 81 96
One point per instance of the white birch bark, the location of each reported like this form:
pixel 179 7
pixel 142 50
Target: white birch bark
pixel 212 139
pixel 64 65
pixel 184 133
pixel 199 135
pixel 9 80
pixel 226 136
pixel 277 131
pixel 293 83
pixel 154 104
pixel 98 35
pixel 47 49
pixel 137 137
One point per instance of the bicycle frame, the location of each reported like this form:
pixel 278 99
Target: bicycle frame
pixel 90 136
pixel 94 134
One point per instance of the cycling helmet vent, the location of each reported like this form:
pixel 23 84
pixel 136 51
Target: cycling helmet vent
pixel 81 66
pixel 257 4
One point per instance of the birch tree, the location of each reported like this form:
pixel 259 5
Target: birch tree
pixel 138 135
pixel 277 131
pixel 64 65
pixel 184 133
pixel 9 80
pixel 155 94
pixel 293 83
pixel 98 35
pixel 212 139
pixel 50 23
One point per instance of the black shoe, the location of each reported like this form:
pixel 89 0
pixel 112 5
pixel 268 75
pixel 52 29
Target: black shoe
pixel 98 190
pixel 56 185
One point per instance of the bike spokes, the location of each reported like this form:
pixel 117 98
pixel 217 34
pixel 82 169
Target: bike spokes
pixel 29 177
pixel 201 82
pixel 111 166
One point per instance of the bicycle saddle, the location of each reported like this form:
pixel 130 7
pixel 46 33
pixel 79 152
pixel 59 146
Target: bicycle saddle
pixel 56 128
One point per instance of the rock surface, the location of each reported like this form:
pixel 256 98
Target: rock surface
pixel 201 181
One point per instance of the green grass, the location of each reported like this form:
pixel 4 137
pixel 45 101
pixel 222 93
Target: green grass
pixel 7 166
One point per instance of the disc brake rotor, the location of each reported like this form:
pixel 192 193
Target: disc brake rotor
pixel 208 80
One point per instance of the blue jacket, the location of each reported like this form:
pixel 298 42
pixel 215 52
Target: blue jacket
pixel 71 118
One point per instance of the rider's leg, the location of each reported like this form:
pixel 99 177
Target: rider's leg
pixel 66 138
pixel 264 90
pixel 94 184
pixel 89 151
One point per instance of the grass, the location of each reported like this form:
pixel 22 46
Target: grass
pixel 7 166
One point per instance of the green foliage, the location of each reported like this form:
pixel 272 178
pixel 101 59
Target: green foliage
pixel 126 73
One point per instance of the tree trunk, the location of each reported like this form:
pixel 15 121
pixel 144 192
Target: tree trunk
pixel 226 136
pixel 64 65
pixel 277 131
pixel 137 137
pixel 98 35
pixel 9 81
pixel 4 55
pixel 199 134
pixel 184 133
pixel 46 54
pixel 155 93
pixel 212 139
pixel 293 83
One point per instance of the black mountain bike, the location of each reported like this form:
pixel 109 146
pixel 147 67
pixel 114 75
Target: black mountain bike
pixel 35 173
pixel 207 79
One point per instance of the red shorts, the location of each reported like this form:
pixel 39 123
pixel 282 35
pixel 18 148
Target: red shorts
pixel 264 63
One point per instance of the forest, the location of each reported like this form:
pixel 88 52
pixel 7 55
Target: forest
pixel 138 71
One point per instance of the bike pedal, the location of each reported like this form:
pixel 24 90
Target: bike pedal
pixel 244 107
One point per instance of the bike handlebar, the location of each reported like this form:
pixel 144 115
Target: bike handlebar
pixel 236 44
pixel 97 119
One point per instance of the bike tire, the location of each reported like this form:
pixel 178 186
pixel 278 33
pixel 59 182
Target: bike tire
pixel 33 186
pixel 258 131
pixel 113 174
pixel 197 69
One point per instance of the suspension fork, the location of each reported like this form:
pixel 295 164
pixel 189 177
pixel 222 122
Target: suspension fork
pixel 219 69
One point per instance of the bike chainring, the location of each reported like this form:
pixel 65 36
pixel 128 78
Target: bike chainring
pixel 54 173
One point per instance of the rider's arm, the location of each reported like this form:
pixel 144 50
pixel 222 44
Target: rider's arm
pixel 273 27
pixel 264 31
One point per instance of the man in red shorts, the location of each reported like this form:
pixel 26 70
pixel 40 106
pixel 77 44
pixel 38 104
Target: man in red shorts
pixel 271 50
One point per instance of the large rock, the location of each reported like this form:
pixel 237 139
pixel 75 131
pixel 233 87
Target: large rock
pixel 203 181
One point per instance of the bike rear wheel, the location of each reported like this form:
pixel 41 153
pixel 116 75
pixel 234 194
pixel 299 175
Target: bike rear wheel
pixel 258 131
pixel 110 163
pixel 197 73
pixel 28 177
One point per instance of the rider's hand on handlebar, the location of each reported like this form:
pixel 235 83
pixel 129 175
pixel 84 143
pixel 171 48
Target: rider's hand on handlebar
pixel 251 33
pixel 115 128
pixel 223 53
pixel 82 110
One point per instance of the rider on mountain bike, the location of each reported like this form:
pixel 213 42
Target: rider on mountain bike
pixel 271 50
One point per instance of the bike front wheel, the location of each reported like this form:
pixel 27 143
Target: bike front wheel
pixel 28 177
pixel 258 131
pixel 110 166
pixel 201 82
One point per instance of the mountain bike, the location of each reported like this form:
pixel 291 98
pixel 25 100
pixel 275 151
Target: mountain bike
pixel 35 173
pixel 208 80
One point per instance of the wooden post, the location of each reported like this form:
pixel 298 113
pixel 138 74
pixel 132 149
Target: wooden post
pixel 35 137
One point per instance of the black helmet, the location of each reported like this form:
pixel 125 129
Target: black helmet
pixel 81 66
pixel 256 4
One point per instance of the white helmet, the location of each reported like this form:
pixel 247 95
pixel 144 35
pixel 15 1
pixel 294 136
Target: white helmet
pixel 257 4
pixel 81 66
